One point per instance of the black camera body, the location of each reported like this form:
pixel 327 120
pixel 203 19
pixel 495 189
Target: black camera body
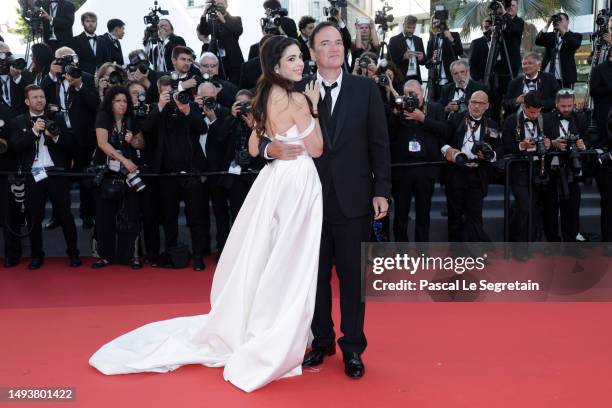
pixel 3 143
pixel 383 18
pixel 481 147
pixel 382 80
pixel 407 103
pixel 364 62
pixel 213 8
pixel 187 95
pixel 441 14
pixel 70 66
pixel 139 63
pixel 115 78
pixel 210 103
pixel 141 110
pixel 334 8
pixel 244 108
pixel 494 6
pixel 573 153
pixel 151 21
pixel 7 61
pixel 556 18
pixel 462 103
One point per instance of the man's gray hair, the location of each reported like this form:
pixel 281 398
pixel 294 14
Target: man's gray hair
pixel 533 55
pixel 61 51
pixel 461 61
pixel 209 55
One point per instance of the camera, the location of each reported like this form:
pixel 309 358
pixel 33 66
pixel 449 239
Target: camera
pixel 212 8
pixel 151 21
pixel 494 6
pixel 209 102
pixel 601 21
pixel 462 103
pixel 556 18
pixel 334 9
pixel 460 158
pixel 183 96
pixel 139 63
pixel 481 147
pixel 407 103
pixel 270 24
pixel 441 14
pixel 382 80
pixel 142 109
pixel 383 18
pixel 244 107
pixel 133 179
pixel 69 64
pixel 50 119
pixel 7 61
pixel 115 78
pixel 212 79
pixel 32 15
pixel 573 153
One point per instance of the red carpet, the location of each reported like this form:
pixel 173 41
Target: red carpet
pixel 419 354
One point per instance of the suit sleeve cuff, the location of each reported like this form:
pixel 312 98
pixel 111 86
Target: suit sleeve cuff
pixel 444 149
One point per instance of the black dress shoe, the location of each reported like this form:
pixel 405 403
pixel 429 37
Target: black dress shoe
pixel 135 263
pixel 353 366
pixel 35 263
pixel 11 262
pixel 198 263
pixel 75 261
pixel 316 356
pixel 99 264
pixel 53 223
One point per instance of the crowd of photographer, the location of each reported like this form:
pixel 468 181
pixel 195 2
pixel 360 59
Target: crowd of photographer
pixel 148 127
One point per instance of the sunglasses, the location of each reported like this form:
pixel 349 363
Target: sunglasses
pixel 566 92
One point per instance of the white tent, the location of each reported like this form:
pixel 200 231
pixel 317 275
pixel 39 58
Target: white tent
pixel 131 12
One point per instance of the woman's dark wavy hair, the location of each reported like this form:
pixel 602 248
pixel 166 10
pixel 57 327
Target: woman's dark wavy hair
pixel 42 56
pixel 270 54
pixel 107 102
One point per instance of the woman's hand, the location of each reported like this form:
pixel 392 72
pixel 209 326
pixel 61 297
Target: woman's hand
pixel 313 92
pixel 129 165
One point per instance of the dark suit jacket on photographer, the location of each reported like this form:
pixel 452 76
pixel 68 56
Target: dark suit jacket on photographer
pixel 601 90
pixel 448 91
pixel 82 107
pixel 450 51
pixel 233 130
pixel 177 139
pixel 216 142
pixel 227 35
pixel 62 24
pixel 570 42
pixel 112 49
pixel 250 73
pixel 173 41
pixel 88 61
pixel 547 87
pixel 430 134
pixel 398 47
pixel 513 35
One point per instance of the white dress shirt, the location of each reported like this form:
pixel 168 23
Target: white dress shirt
pixel 334 92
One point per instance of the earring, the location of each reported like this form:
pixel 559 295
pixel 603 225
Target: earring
pixel 277 71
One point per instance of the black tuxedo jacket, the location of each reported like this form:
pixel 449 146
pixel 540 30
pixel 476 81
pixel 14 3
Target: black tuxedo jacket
pixel 479 50
pixel 23 142
pixel 8 161
pixel 304 48
pixel 18 105
pixel 173 41
pixel 513 35
pixel 253 51
pixel 216 142
pixel 250 73
pixel 570 43
pixel 450 52
pixel 112 49
pixel 601 90
pixel 457 131
pixel 577 125
pixel 83 106
pixel 547 88
pixel 88 61
pixel 397 49
pixel 448 91
pixel 62 23
pixel 227 34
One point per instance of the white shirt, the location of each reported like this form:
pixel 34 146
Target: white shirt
pixel 93 44
pixel 334 92
pixel 533 87
pixel 412 62
pixel 468 144
pixel 529 130
pixel 6 87
pixel 42 158
pixel 161 53
pixel 63 92
pixel 204 136
pixel 460 92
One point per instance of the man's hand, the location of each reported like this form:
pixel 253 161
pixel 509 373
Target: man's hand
pixel 284 151
pixel 164 99
pixel 559 144
pixel 580 145
pixel 417 115
pixel 129 165
pixel 39 126
pixel 235 109
pixel 525 145
pixel 409 54
pixel 221 18
pixel 249 120
pixel 190 83
pixel 547 143
pixel 381 207
pixel 520 99
pixel 450 154
pixel 451 107
pixel 548 21
pixel 210 114
pixel 501 10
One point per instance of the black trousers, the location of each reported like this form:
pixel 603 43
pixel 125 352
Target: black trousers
pixel 519 182
pixel 554 201
pixel 464 201
pixel 11 220
pixel 341 244
pixel 603 176
pixel 118 245
pixel 406 184
pixel 189 190
pixel 221 208
pixel 57 189
pixel 499 86
pixel 151 217
pixel 82 157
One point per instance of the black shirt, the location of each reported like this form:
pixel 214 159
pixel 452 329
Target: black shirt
pixel 115 138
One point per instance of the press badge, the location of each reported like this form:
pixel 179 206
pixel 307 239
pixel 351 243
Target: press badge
pixel 414 146
pixel 114 165
pixel 222 52
pixel 39 173
pixel 234 169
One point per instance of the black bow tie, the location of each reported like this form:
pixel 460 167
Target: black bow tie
pixel 92 37
pixel 475 122
pixel 533 122
pixel 530 81
pixel 408 36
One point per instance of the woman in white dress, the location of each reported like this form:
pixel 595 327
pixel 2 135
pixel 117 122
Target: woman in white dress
pixel 263 291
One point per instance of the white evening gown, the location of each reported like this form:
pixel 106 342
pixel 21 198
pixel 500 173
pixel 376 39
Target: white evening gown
pixel 263 291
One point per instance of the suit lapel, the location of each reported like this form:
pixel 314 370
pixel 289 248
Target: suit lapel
pixel 341 108
pixel 323 120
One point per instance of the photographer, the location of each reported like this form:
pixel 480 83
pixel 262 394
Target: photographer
pixel 162 53
pixel 73 92
pixel 214 145
pixel 43 146
pixel 523 134
pixel 58 18
pixel 366 65
pixel 209 67
pixel 567 129
pixel 335 17
pixel 108 75
pixel 225 30
pixel 42 56
pixel 176 128
pixel 110 41
pixel 471 148
pixel 251 70
pixel 407 51
pixel 443 48
pixel 118 183
pixel 455 96
pixel 561 46
pixel 91 55
pixel 306 26
pixel 139 70
pixel 13 80
pixel 184 75
pixel 236 130
pixel 287 26
pixel 417 130
pixel 532 80
pixel 366 39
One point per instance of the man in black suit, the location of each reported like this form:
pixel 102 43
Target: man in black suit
pixel 58 18
pixel 225 30
pixel 306 26
pixel 251 70
pixel 139 70
pixel 111 41
pixel 443 48
pixel 532 79
pixel 12 82
pixel 91 56
pixel 287 25
pixel 209 67
pixel 407 52
pixel 455 95
pixel 520 133
pixel 476 139
pixel 479 49
pixel 39 151
pixel 355 175
pixel 162 53
pixel 561 46
pixel 416 137
pixel 78 101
